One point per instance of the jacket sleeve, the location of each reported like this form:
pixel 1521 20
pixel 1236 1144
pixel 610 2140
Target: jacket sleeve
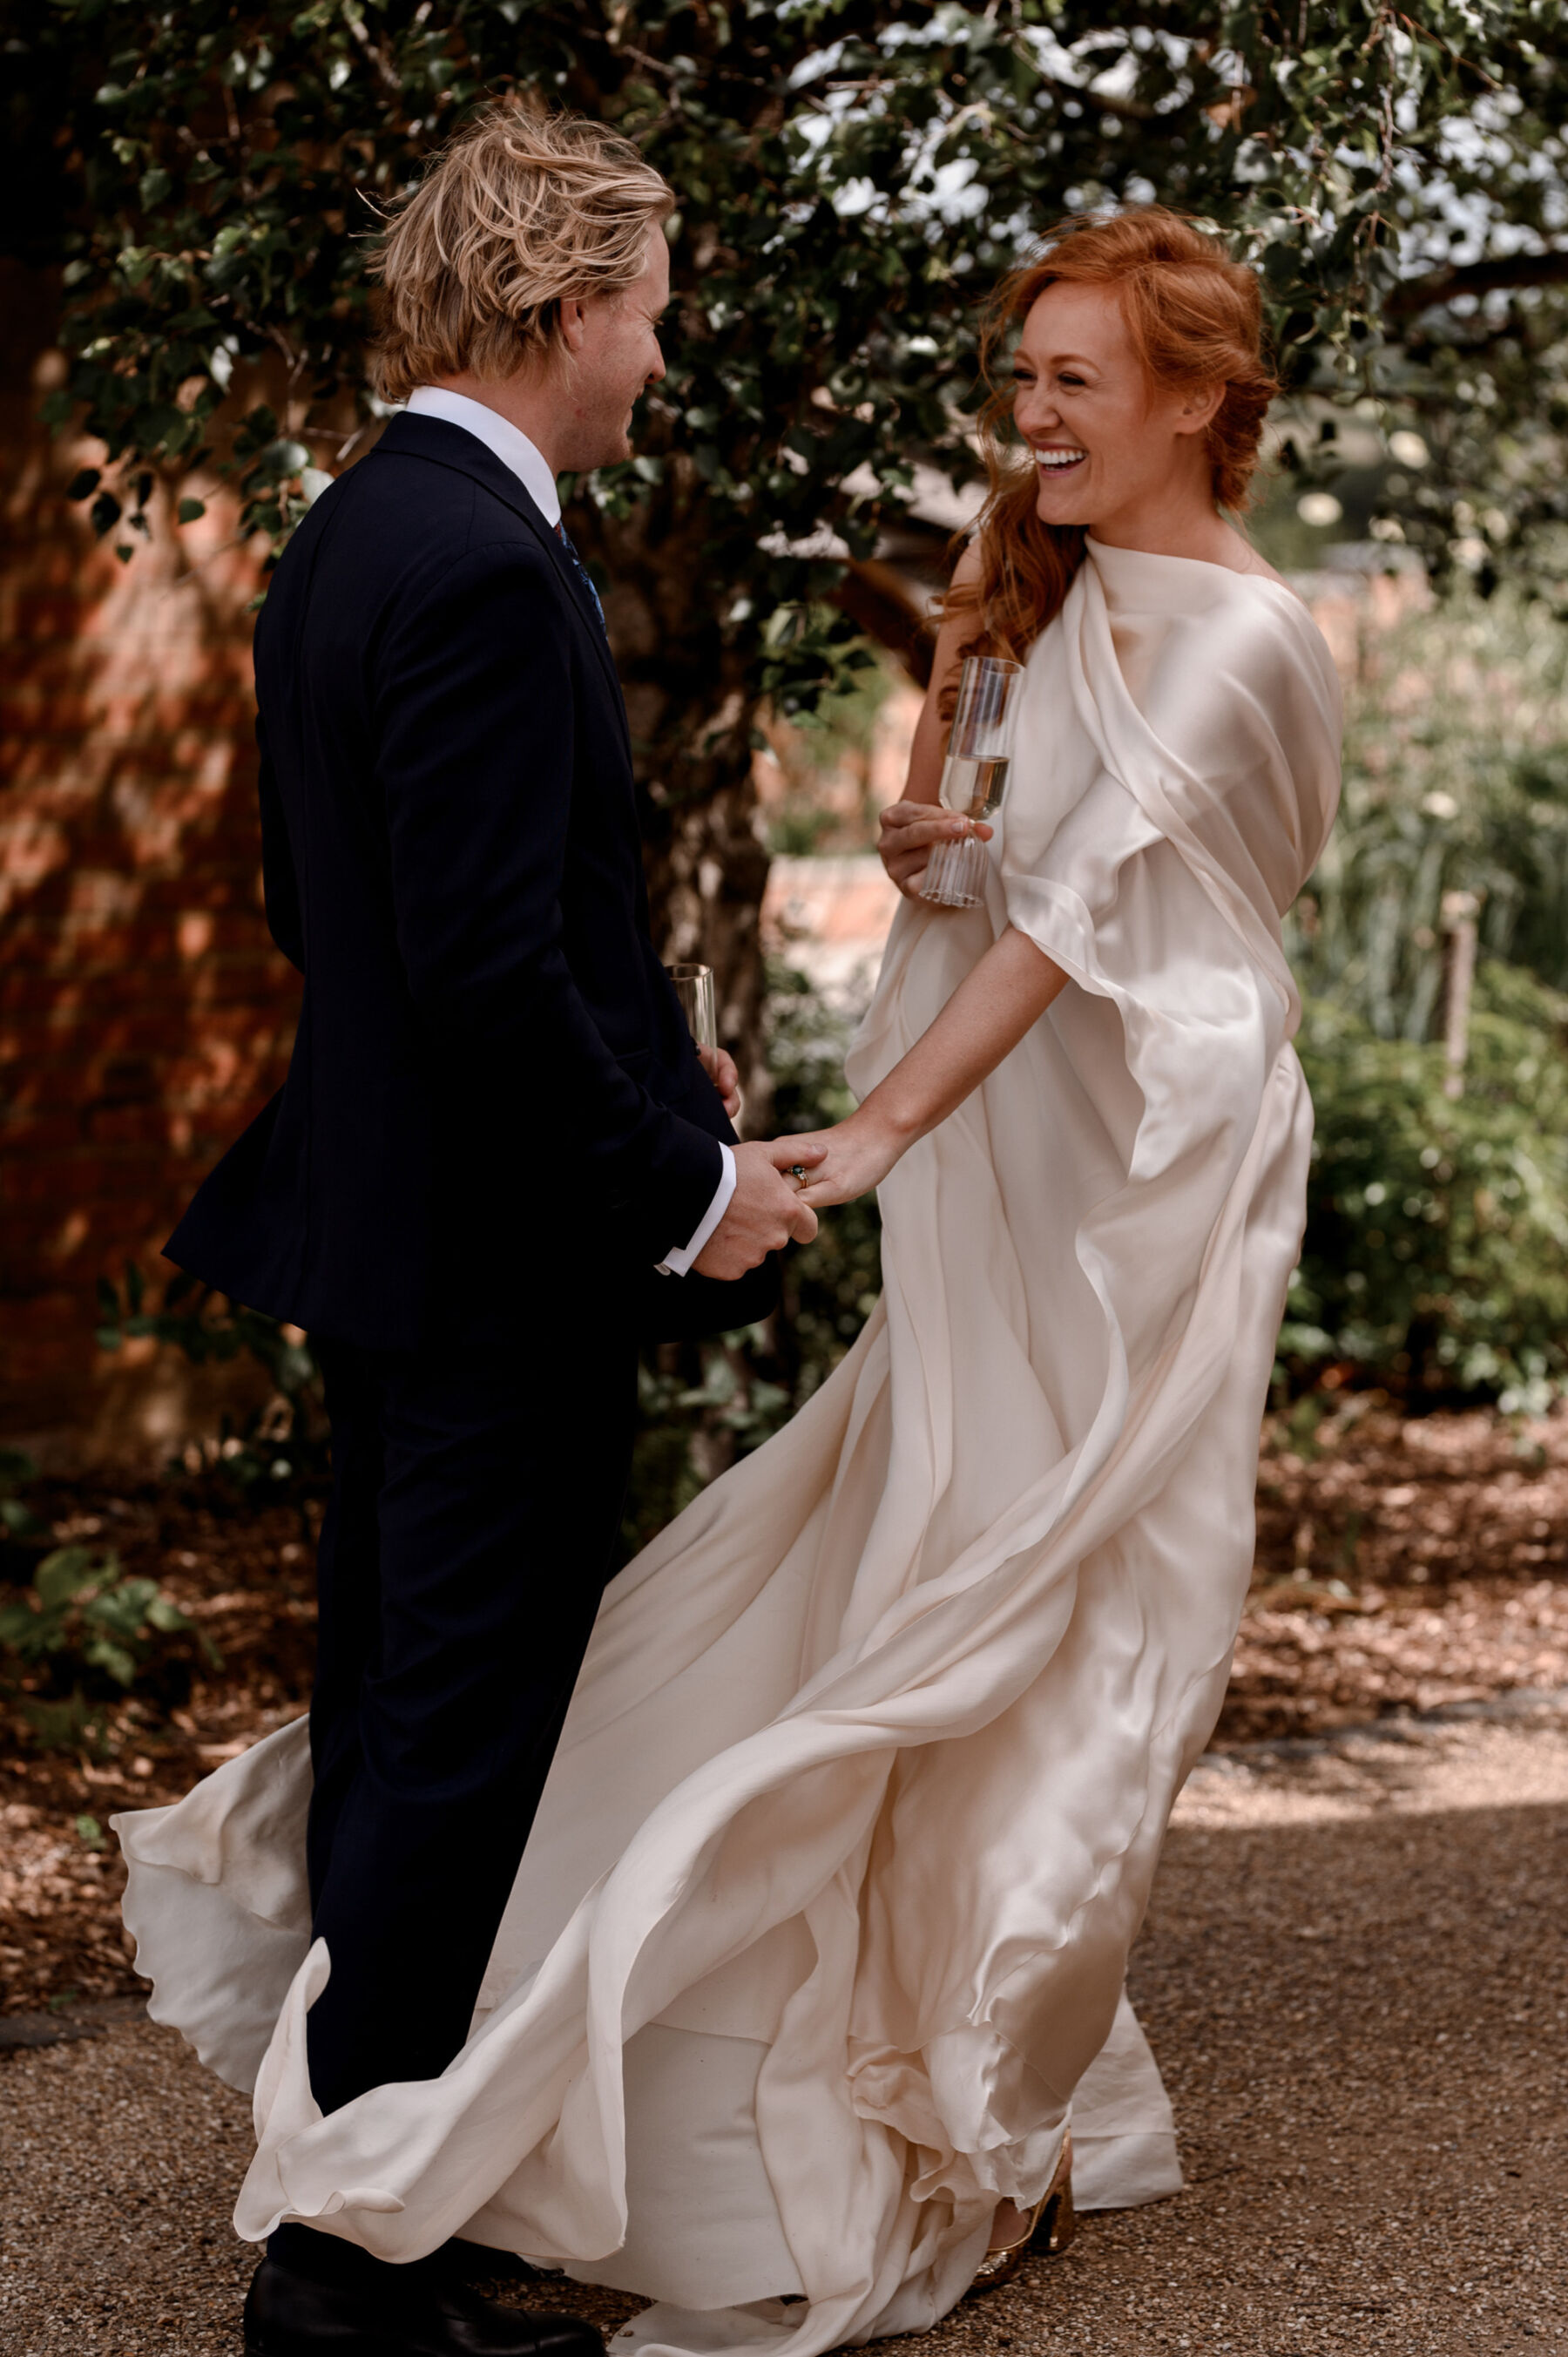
pixel 474 720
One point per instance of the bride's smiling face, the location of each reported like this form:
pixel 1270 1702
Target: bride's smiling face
pixel 1108 441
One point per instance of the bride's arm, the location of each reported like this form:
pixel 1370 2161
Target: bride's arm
pixel 909 827
pixel 983 1022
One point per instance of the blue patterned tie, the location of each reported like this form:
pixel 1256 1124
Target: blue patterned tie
pixel 581 570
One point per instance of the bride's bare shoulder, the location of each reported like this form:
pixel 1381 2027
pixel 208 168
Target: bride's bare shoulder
pixel 966 573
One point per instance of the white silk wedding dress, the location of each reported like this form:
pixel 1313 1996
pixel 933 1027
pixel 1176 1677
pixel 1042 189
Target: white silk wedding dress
pixel 818 1941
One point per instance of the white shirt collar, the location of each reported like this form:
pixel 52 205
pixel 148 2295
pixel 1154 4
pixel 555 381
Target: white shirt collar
pixel 509 442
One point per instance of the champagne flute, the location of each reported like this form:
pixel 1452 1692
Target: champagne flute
pixel 975 776
pixel 694 989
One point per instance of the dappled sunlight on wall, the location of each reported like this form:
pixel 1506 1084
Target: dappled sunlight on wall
pixel 143 1014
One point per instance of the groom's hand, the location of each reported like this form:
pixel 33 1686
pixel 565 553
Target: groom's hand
pixel 719 1066
pixel 765 1213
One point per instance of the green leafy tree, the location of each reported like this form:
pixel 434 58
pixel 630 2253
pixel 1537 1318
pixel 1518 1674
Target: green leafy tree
pixel 853 175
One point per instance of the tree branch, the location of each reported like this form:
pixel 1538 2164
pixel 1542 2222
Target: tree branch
pixel 874 596
pixel 1478 279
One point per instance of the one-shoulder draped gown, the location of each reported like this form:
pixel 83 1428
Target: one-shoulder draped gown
pixel 817 1944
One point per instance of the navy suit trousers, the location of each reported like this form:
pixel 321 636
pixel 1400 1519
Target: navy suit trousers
pixel 476 1493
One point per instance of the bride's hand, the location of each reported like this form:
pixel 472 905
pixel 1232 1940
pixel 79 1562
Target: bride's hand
pixel 908 831
pixel 858 1155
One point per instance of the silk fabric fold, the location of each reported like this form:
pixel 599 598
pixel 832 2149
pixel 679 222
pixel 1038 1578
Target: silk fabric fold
pixel 819 1942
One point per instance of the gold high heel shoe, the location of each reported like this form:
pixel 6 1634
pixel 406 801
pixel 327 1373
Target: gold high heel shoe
pixel 1047 2230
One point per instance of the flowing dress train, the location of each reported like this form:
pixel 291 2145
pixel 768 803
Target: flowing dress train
pixel 817 1943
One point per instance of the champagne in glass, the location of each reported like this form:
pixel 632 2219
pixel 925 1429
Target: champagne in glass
pixel 975 776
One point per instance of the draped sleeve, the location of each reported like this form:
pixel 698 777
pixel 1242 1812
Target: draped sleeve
pixel 1207 723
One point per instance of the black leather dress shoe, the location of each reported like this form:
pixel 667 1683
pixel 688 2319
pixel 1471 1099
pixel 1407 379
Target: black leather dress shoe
pixel 418 2313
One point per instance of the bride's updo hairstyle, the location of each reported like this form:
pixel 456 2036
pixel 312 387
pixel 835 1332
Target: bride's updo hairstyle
pixel 1195 318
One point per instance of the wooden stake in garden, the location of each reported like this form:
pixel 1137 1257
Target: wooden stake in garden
pixel 1460 910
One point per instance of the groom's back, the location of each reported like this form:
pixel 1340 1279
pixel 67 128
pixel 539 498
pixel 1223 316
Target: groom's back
pixel 435 697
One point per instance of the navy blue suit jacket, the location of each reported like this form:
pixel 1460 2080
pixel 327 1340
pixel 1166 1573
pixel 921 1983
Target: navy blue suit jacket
pixel 492 1082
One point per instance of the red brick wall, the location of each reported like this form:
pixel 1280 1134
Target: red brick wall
pixel 145 1015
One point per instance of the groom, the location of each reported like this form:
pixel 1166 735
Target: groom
pixel 495 1128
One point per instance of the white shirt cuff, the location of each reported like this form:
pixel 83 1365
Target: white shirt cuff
pixel 676 1263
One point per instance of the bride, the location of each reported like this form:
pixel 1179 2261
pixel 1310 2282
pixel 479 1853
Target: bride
pixel 816 1953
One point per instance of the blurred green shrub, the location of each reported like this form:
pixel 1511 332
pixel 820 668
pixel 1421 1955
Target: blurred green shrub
pixel 85 1633
pixel 1435 1258
pixel 1437 1247
pixel 824 758
pixel 1456 780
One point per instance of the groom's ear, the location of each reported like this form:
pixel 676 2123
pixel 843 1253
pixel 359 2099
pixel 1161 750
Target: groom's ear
pixel 574 322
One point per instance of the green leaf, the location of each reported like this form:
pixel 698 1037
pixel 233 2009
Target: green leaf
pixel 64 1574
pixel 115 1660
pixel 281 459
pixel 122 1610
pixel 190 511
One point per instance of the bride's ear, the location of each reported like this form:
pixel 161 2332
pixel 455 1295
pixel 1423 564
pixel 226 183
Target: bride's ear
pixel 1199 407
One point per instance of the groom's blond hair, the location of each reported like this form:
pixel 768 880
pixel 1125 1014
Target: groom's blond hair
pixel 520 212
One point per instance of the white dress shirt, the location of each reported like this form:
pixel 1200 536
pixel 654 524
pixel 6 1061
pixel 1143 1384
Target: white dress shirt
pixel 514 449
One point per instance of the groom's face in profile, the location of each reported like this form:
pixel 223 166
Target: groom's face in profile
pixel 614 356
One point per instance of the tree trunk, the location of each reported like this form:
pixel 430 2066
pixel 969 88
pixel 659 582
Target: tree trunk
pixel 692 715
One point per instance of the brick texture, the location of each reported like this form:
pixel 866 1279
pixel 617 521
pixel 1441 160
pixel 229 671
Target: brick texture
pixel 145 1016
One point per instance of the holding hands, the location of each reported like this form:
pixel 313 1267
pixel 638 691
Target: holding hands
pixel 856 1155
pixel 848 1160
pixel 767 1210
pixel 782 1185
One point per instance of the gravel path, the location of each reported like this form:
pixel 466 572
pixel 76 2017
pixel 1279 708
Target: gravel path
pixel 1355 1973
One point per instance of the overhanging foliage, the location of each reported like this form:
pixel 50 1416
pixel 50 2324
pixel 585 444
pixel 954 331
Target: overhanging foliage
pixel 853 174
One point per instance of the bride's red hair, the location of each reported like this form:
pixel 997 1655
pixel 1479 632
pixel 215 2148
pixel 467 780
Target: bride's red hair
pixel 1194 317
